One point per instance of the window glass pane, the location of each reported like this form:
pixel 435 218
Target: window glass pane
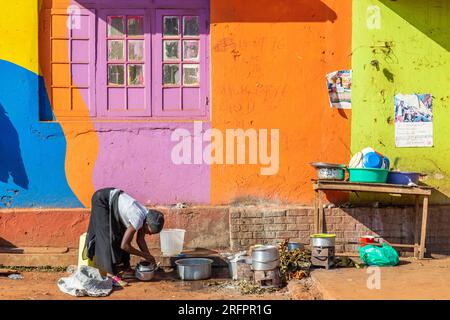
pixel 171 26
pixel 116 26
pixel 136 50
pixel 191 26
pixel 191 74
pixel 116 74
pixel 171 74
pixel 191 50
pixel 136 26
pixel 115 50
pixel 135 75
pixel 171 50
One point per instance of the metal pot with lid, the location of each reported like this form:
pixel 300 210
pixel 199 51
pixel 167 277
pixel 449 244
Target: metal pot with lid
pixel 323 240
pixel 145 270
pixel 265 258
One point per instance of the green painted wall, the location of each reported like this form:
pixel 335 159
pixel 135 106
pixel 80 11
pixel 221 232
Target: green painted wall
pixel 412 49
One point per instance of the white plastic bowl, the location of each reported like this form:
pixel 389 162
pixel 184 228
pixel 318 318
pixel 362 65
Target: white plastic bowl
pixel 172 241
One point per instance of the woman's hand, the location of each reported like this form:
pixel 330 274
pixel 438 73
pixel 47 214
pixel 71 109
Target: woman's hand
pixel 149 258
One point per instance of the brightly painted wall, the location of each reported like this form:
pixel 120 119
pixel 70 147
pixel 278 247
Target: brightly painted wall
pixel 268 66
pixel 411 42
pixel 32 154
pixel 269 62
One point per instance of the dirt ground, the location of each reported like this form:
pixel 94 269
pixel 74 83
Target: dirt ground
pixel 42 286
pixel 411 279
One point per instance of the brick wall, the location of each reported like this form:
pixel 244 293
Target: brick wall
pixel 268 225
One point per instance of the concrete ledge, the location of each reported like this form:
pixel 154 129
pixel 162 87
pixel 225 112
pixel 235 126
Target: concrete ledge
pixel 411 280
pixel 39 260
pixel 41 257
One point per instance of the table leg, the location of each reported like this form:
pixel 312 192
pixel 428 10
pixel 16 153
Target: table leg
pixel 321 212
pixel 417 227
pixel 423 233
pixel 316 211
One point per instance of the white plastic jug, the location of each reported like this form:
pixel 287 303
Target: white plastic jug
pixel 172 241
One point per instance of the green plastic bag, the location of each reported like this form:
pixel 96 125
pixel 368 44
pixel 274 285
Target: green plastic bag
pixel 378 256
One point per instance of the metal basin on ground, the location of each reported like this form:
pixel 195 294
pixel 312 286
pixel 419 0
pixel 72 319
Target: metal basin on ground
pixel 194 268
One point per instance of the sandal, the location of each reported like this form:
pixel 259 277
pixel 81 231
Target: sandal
pixel 118 282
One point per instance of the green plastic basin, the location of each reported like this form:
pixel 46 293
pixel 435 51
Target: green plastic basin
pixel 368 175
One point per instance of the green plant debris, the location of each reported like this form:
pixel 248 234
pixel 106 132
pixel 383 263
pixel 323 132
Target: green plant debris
pixel 294 264
pixel 347 262
pixel 34 269
pixel 246 288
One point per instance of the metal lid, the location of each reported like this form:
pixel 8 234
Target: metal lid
pixel 326 165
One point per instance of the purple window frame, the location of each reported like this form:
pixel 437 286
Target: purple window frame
pixel 158 96
pixel 153 59
pixel 102 65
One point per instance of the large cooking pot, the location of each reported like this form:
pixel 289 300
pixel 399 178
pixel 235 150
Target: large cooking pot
pixel 323 240
pixel 265 258
pixel 265 253
pixel 194 268
pixel 265 266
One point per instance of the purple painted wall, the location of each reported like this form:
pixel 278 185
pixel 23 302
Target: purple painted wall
pixel 136 157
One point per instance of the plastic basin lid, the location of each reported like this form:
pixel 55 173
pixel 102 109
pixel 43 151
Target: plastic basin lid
pixel 323 235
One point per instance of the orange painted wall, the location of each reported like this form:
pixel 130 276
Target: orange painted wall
pixel 269 63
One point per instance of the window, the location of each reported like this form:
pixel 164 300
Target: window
pixel 130 63
pixel 124 66
pixel 180 62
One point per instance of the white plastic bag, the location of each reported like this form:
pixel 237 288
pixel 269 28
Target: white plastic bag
pixel 86 281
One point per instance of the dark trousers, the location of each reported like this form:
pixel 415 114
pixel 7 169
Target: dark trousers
pixel 105 233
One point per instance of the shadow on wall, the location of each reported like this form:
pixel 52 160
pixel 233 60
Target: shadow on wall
pixel 6 244
pixel 432 18
pixel 11 162
pixel 285 11
pixel 397 225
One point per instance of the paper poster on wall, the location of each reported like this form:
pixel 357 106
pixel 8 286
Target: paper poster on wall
pixel 340 89
pixel 413 120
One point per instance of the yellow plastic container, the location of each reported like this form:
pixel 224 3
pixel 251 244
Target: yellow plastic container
pixel 81 261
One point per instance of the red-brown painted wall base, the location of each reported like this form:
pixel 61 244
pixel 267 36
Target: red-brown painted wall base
pixel 207 227
pixel 236 227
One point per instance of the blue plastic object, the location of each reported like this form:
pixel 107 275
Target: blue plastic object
pixel 372 160
pixel 387 163
pixel 403 178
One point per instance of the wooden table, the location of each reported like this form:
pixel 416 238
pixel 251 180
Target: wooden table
pixel 418 191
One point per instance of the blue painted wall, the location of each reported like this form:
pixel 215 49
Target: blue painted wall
pixel 32 153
